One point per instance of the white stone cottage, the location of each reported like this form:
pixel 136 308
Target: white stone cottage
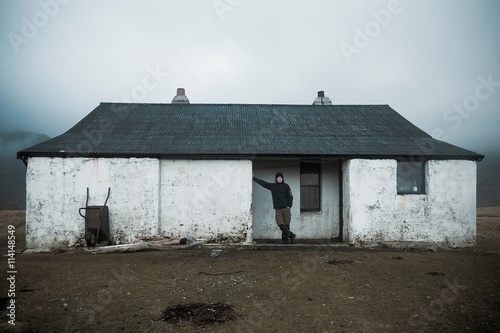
pixel 361 174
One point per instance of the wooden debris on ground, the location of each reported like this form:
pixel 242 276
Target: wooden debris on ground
pixel 155 243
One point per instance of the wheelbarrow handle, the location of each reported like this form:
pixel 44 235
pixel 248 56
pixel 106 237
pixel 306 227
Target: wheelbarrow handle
pixel 101 211
pixel 80 211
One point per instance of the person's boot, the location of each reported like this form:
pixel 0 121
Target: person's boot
pixel 292 236
pixel 284 238
pixel 285 233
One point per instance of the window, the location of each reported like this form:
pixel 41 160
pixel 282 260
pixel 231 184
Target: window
pixel 310 187
pixel 411 177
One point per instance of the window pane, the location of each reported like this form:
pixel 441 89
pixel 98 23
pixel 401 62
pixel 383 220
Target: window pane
pixel 310 186
pixel 309 198
pixel 410 177
pixel 309 179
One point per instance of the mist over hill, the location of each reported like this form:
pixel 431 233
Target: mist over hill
pixel 488 180
pixel 13 171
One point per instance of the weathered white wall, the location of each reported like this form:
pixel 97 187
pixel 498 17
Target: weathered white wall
pixel 452 187
pixel 213 200
pixel 307 225
pixel 208 199
pixel 202 199
pixel 374 212
pixel 57 187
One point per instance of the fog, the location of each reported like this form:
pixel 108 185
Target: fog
pixel 435 62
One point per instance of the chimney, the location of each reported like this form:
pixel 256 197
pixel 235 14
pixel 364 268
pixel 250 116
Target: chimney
pixel 322 100
pixel 181 97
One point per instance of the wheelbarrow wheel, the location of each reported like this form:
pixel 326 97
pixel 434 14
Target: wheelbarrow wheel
pixel 90 238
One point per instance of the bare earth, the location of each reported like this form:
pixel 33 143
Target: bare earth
pixel 278 288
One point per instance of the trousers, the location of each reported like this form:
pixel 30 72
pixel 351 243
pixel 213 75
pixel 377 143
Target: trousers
pixel 283 216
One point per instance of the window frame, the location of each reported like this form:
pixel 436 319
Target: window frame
pixel 305 168
pixel 419 177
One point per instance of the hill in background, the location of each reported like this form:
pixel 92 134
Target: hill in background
pixel 488 180
pixel 13 172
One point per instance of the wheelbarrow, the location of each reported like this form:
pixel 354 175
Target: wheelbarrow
pixel 96 222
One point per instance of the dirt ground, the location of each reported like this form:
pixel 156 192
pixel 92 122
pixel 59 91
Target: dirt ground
pixel 278 288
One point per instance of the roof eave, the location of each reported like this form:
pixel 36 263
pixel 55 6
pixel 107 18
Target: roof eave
pixel 474 157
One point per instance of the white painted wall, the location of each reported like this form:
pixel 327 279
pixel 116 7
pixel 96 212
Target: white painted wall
pixel 374 212
pixel 452 187
pixel 207 199
pixel 213 200
pixel 202 199
pixel 56 189
pixel 307 225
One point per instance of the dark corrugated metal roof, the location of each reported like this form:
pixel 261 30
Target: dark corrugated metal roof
pixel 246 130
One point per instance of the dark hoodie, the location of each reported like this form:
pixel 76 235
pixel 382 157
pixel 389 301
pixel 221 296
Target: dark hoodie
pixel 281 193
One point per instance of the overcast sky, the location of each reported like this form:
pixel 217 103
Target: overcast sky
pixel 436 62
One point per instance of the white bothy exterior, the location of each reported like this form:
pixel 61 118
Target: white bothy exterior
pixel 367 175
pixel 217 200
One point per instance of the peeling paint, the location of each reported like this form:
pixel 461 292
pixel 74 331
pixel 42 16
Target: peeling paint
pixel 201 199
pixel 374 212
pixel 208 199
pixel 53 200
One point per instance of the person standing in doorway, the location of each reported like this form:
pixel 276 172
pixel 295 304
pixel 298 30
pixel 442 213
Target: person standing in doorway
pixel 282 202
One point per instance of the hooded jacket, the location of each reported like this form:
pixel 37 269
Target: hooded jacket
pixel 281 193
